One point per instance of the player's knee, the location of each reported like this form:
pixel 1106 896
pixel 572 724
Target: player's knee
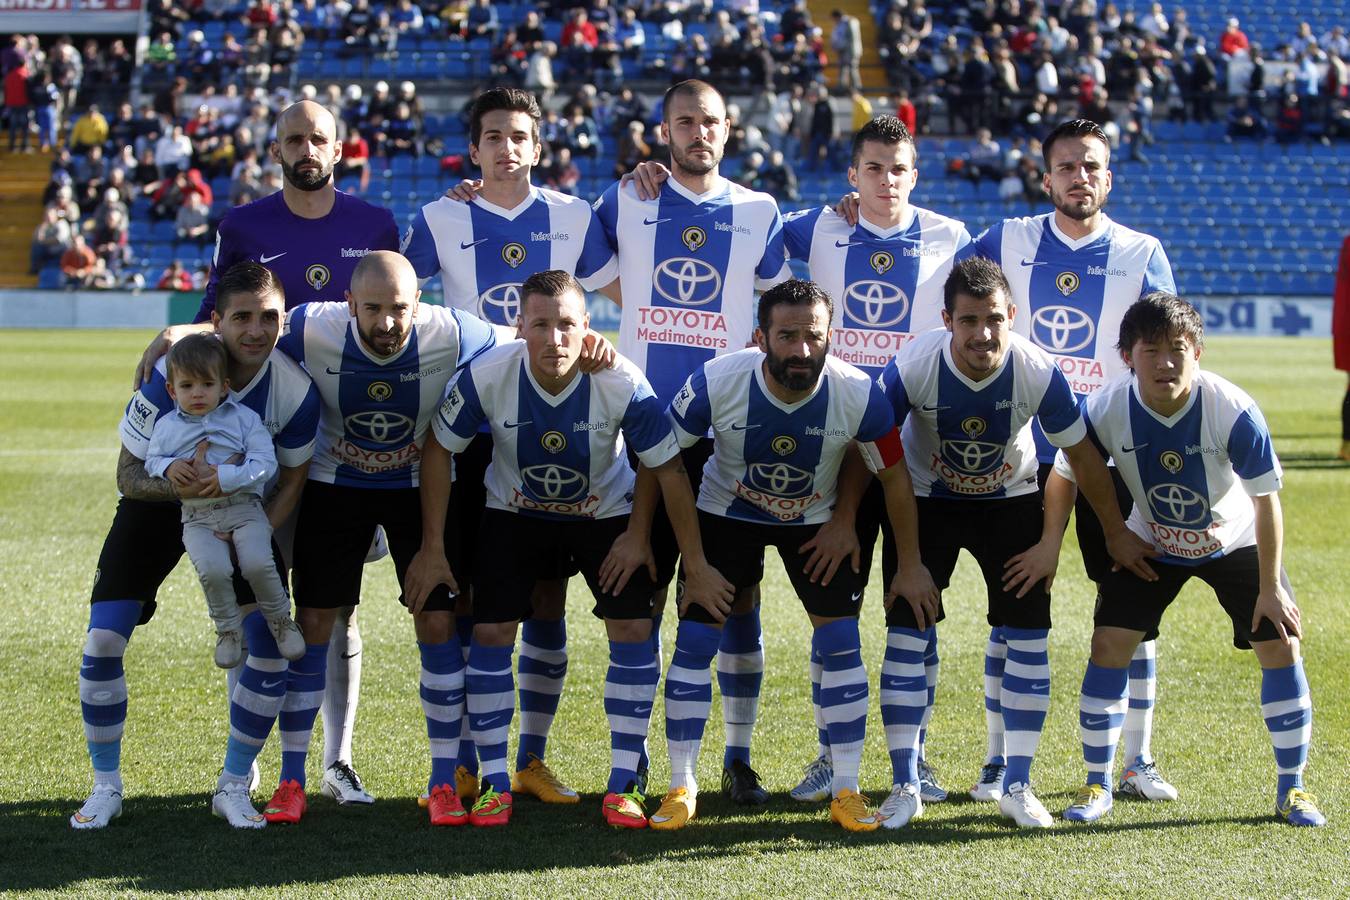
pixel 628 631
pixel 1276 654
pixel 495 634
pixel 100 642
pixel 548 601
pixel 315 624
pixel 747 598
pixel 1113 647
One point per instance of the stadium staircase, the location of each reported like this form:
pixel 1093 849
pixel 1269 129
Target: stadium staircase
pixel 23 176
pixel 873 75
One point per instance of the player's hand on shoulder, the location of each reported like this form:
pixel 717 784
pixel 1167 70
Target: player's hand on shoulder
pixel 1040 561
pixel 426 572
pixel 915 584
pixel 847 207
pixel 157 348
pixel 704 585
pixel 1275 604
pixel 466 191
pixel 834 543
pixel 648 177
pixel 1130 551
pixel 629 552
pixel 597 353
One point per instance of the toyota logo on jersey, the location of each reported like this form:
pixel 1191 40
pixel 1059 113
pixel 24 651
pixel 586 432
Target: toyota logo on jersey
pixel 687 281
pixel 379 427
pixel 875 304
pixel 1062 329
pixel 1177 504
pixel 554 482
pixel 500 304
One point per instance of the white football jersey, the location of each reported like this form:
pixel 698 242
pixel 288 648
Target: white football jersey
pixel 1192 475
pixel 689 266
pixel 779 462
pixel 376 410
pixel 886 283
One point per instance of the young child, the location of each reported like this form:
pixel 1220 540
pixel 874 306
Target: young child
pixel 232 514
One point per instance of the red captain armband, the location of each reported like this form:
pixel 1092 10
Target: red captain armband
pixel 889 450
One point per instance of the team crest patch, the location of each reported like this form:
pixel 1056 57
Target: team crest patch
pixel 379 391
pixel 513 254
pixel 317 276
pixel 973 427
pixel 1171 461
pixel 553 441
pixel 694 237
pixel 1067 282
pixel 881 262
pixel 783 445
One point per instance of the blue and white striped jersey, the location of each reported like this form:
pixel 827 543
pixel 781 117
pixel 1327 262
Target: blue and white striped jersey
pixel 886 283
pixel 375 411
pixel 1071 295
pixel 689 266
pixel 773 461
pixel 556 457
pixel 969 439
pixel 281 394
pixel 1192 475
pixel 484 252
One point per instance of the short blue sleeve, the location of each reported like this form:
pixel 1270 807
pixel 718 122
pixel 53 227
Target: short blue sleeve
pixel 475 336
pixel 460 415
pixel 596 251
pixel 606 210
pixel 774 260
pixel 879 418
pixel 1158 274
pixel 304 424
pixel 989 244
pixel 644 421
pixel 419 246
pixel 1059 407
pixel 1249 445
pixel 798 229
pixel 691 409
pixel 292 341
pixel 892 387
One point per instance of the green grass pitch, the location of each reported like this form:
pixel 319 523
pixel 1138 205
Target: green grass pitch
pixel 61 394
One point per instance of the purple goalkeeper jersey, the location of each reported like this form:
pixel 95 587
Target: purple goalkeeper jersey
pixel 314 258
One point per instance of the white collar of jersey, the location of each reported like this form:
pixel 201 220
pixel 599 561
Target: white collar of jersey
pixel 1176 417
pixel 554 400
pixel 886 233
pixel 508 214
pixel 719 187
pixel 769 395
pixel 969 382
pixel 1076 244
pixel 262 370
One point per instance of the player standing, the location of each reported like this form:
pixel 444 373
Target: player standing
pixel 1197 456
pixel 312 236
pixel 484 249
pixel 1073 273
pixel 690 261
pixel 144 543
pixel 967 396
pixel 887 271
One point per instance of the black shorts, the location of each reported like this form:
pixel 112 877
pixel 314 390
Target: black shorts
pixel 143 545
pixel 334 532
pixel 516 550
pixel 468 500
pixel 871 523
pixel 1127 601
pixel 1097 562
pixel 992 531
pixel 664 546
pixel 736 549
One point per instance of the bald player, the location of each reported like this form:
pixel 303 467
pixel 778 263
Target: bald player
pixel 312 236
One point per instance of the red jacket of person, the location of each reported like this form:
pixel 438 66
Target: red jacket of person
pixel 16 86
pixel 1231 42
pixel 1340 311
pixel 907 114
pixel 196 185
pixel 589 35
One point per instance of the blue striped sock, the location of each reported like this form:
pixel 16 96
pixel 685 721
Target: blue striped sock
pixel 1025 698
pixel 630 690
pixel 645 760
pixel 740 674
pixel 689 698
pixel 931 665
pixel 543 666
pixel 468 753
pixel 490 696
pixel 904 699
pixel 103 683
pixel 995 656
pixel 1101 713
pixel 256 699
pixel 1139 717
pixel 300 706
pixel 843 697
pixel 442 691
pixel 822 734
pixel 1286 706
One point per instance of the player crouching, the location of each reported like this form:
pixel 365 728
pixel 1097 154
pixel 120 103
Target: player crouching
pixel 559 486
pixel 1197 456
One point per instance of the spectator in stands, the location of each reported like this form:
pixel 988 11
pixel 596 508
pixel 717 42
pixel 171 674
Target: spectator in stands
pixel 231 58
pixel 561 174
pixel 400 134
pixel 355 158
pixel 897 47
pixel 580 135
pixel 630 35
pixel 17 106
pixel 14 54
pixel 270 183
pixel 602 13
pixel 64 200
pixel 160 58
pixel 633 149
pixel 748 175
pixel 175 278
pixel 89 130
pixel 1233 42
pixel 984 160
pixel 577 23
pixel 1289 122
pixel 407 17
pixel 171 193
pixel 539 78
pixel 80 264
pixel 50 240
pixel 778 179
pixel 1246 121
pixel 975 87
pixel 262 14
pixel 108 238
pixel 147 172
pixel 823 129
pixel 1303 41
pixel 1204 85
pixel 91 168
pixel 173 151
pixel 482 22
pixel 193 220
pixel 111 201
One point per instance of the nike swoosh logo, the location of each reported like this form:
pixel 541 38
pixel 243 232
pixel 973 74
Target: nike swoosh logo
pixel 679 692
pixel 1027 262
pixel 86 668
pixel 332 371
pixel 854 695
pixel 736 427
pixel 1093 723
pixel 933 408
pixel 468 245
pixel 492 721
pixel 272 684
pixel 267 259
pixel 842 244
pixel 853 598
pixel 641 710
pixel 556 672
pixel 1289 723
pixel 1132 449
pixel 351 655
pixel 905 684
pixel 1043 686
pixel 509 424
pixel 654 221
